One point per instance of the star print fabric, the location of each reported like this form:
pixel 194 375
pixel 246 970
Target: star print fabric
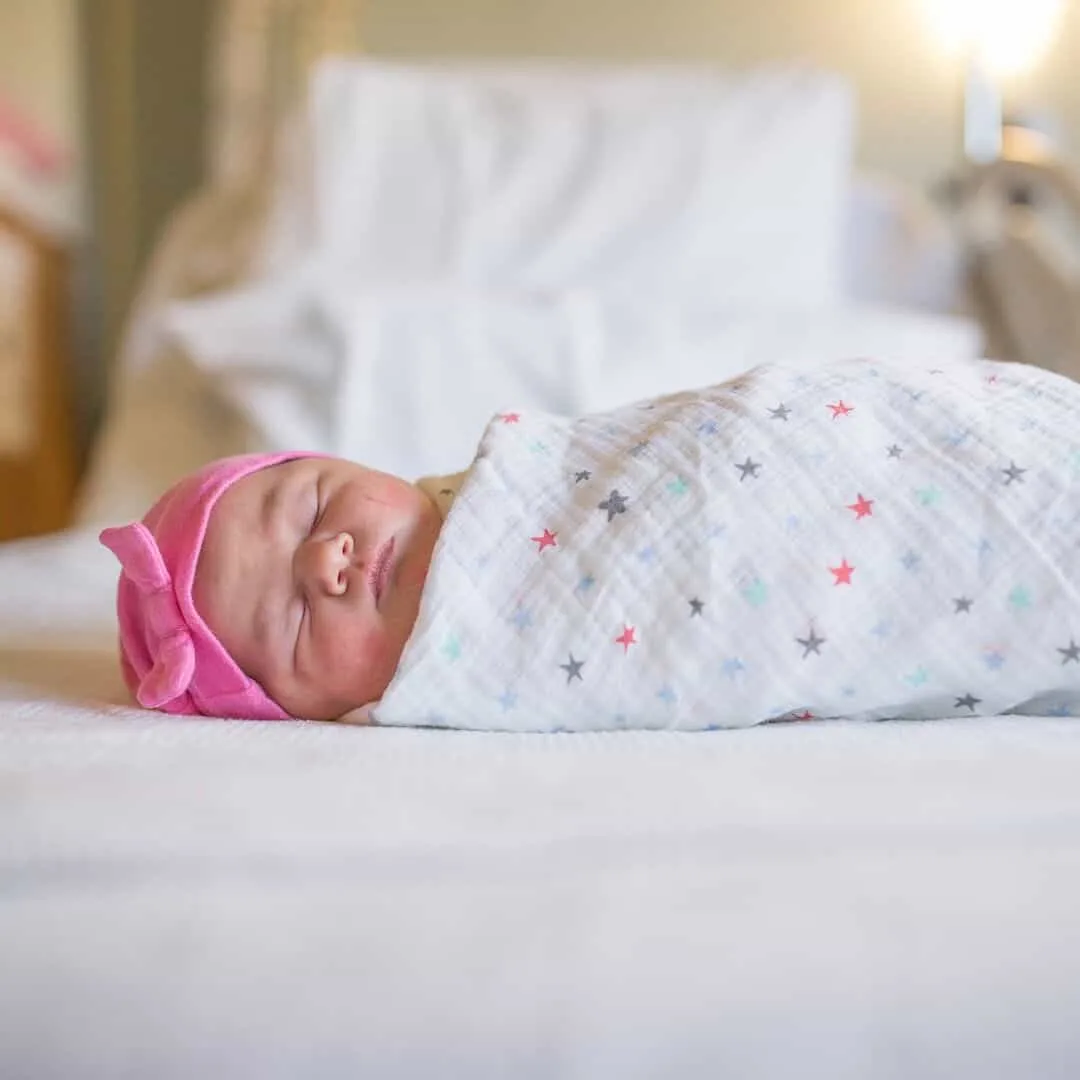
pixel 865 541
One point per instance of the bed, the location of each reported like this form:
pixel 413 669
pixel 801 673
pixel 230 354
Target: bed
pixel 190 896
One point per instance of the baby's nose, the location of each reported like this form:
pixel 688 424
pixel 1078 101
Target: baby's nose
pixel 328 562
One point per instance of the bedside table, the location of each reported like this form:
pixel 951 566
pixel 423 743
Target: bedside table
pixel 37 445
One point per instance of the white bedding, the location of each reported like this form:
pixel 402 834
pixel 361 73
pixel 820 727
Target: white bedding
pixel 190 897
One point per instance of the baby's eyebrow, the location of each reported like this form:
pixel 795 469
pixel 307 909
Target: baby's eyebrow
pixel 268 511
pixel 269 508
pixel 261 624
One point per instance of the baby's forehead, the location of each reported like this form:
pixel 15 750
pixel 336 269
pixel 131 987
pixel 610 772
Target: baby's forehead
pixel 235 531
pixel 234 567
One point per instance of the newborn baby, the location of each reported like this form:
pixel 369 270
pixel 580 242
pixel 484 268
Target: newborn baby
pixel 857 540
pixel 269 586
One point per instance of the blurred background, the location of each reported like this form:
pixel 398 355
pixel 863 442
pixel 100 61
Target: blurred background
pixel 113 111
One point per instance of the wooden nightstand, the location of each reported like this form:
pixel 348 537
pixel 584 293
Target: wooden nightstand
pixel 37 446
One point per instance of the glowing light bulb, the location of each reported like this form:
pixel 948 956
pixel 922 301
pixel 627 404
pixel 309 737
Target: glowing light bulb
pixel 1005 37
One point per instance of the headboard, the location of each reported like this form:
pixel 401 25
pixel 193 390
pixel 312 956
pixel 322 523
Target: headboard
pixel 261 56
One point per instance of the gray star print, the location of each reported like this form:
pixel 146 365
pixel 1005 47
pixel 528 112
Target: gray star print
pixel 781 412
pixel 967 702
pixel 639 449
pixel 1071 653
pixel 748 468
pixel 613 504
pixel 911 560
pixel 963 603
pixel 1013 472
pixel 811 644
pixel 696 607
pixel 896 451
pixel 582 475
pixel 573 669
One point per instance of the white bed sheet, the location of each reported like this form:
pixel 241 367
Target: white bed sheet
pixel 188 897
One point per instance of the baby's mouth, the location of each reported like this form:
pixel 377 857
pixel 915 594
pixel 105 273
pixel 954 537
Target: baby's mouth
pixel 379 574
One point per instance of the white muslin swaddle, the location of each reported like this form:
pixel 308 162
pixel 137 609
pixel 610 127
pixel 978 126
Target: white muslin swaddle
pixel 864 540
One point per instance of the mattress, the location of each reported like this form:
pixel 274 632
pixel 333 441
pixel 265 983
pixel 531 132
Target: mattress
pixel 187 897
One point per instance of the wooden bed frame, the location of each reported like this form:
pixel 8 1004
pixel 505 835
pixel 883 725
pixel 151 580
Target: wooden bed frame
pixel 37 471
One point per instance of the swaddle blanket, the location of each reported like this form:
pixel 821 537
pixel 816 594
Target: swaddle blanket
pixel 859 541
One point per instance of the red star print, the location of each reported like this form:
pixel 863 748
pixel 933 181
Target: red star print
pixel 545 541
pixel 840 409
pixel 842 573
pixel 626 639
pixel 806 714
pixel 863 507
pixel 510 417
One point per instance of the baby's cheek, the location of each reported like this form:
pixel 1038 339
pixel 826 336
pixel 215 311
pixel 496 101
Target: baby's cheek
pixel 364 663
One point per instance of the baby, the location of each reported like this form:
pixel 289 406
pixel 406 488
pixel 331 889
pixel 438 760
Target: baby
pixel 857 540
pixel 273 586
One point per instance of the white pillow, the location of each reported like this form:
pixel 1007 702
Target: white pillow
pixel 269 354
pixel 653 184
pixel 422 373
pixel 404 380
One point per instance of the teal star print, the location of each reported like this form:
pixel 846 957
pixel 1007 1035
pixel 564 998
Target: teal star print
pixel 585 584
pixel 928 496
pixel 1020 598
pixel 452 648
pixel 918 677
pixel 678 486
pixel 667 695
pixel 756 593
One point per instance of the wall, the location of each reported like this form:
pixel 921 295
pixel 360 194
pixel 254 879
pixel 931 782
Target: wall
pixel 39 76
pixel 38 73
pixel 909 89
pixel 143 68
pixel 122 84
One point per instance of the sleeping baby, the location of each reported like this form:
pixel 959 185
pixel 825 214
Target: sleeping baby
pixel 861 540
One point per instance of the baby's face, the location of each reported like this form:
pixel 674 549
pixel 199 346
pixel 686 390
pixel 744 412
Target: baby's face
pixel 310 575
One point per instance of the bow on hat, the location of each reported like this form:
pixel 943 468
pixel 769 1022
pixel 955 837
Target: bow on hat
pixel 165 634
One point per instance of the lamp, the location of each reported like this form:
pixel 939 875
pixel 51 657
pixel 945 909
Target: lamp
pixel 999 39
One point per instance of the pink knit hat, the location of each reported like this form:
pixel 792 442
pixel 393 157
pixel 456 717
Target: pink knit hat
pixel 170 658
